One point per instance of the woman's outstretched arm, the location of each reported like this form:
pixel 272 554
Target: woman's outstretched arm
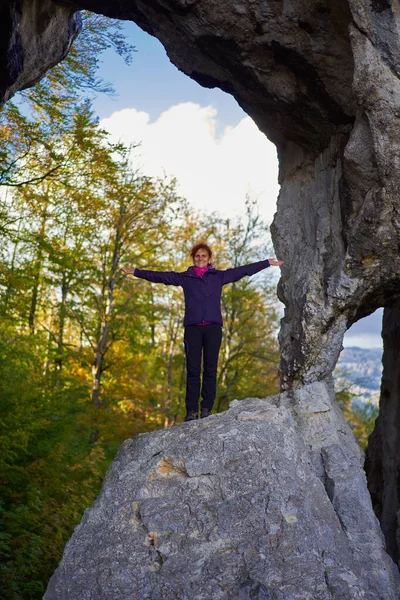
pixel 236 273
pixel 165 277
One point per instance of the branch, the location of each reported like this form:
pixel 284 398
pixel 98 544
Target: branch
pixel 82 327
pixel 33 180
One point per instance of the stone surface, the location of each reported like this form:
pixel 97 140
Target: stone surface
pixel 234 507
pixel 34 36
pixel 321 79
pixel 383 456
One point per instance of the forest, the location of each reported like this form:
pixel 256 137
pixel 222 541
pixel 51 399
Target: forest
pixel 88 356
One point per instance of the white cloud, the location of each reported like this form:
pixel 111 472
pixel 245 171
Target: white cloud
pixel 214 173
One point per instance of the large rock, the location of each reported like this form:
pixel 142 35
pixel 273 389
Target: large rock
pixel 34 36
pixel 383 457
pixel 321 79
pixel 234 507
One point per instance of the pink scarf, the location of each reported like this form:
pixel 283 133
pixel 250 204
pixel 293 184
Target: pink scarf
pixel 200 270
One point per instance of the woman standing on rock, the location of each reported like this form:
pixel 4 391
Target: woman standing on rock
pixel 202 285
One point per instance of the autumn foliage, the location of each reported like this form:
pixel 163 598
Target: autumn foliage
pixel 88 356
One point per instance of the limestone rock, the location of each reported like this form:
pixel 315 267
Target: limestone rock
pixel 35 35
pixel 321 79
pixel 383 456
pixel 234 507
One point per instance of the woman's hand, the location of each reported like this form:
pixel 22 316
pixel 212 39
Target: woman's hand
pixel 128 271
pixel 275 263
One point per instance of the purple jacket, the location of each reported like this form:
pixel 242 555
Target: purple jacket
pixel 202 294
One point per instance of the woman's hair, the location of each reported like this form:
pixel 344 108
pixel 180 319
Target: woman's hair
pixel 198 247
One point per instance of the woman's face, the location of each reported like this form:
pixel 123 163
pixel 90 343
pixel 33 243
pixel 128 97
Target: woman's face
pixel 201 258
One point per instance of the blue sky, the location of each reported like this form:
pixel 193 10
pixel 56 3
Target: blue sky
pixel 158 105
pixel 153 84
pixel 197 135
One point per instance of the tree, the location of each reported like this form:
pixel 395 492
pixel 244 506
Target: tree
pixel 33 128
pixel 88 357
pixel 360 416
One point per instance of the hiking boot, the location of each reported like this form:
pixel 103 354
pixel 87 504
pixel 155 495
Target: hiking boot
pixel 205 412
pixel 192 415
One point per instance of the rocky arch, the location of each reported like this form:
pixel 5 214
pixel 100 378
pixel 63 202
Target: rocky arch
pixel 321 79
pixel 34 36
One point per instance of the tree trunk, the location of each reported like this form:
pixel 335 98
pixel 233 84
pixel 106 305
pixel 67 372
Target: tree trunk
pixel 12 270
pixel 61 322
pixel 102 343
pixel 37 274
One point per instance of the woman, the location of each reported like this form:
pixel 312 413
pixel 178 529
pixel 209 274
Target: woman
pixel 202 286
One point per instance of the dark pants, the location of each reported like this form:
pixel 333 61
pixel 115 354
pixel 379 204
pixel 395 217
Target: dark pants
pixel 198 339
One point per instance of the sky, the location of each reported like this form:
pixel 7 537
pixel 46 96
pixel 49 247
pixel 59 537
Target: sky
pixel 200 136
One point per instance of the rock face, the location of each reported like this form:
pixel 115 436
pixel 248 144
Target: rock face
pixel 321 79
pixel 34 36
pixel 234 507
pixel 383 457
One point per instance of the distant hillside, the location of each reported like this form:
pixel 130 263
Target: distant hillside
pixel 360 371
